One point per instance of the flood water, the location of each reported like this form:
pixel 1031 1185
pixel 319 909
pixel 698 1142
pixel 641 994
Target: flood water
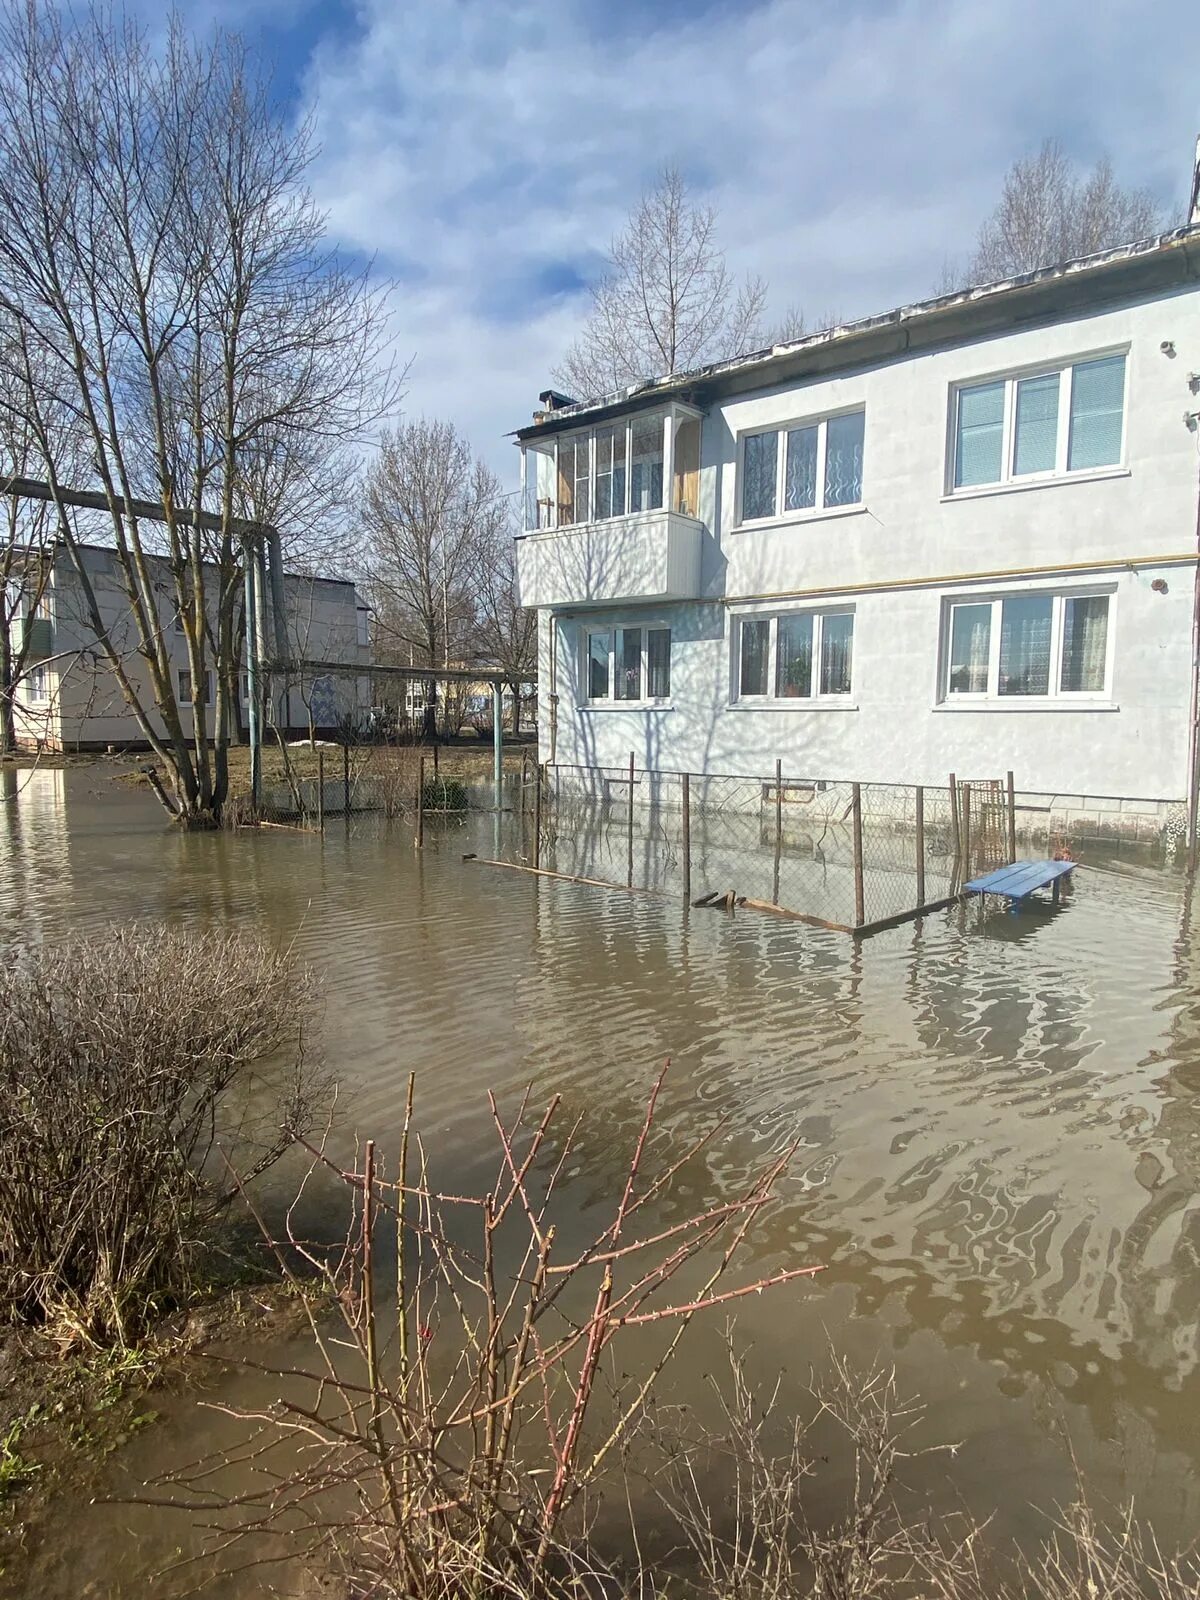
pixel 1000 1118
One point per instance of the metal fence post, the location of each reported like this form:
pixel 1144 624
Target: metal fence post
pixel 537 818
pixel 920 819
pixel 420 839
pixel 629 830
pixel 346 780
pixel 1012 819
pixel 497 746
pixel 686 802
pixel 321 791
pixel 966 828
pixel 860 914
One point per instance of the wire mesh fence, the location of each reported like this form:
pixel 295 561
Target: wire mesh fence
pixel 852 857
pixel 847 856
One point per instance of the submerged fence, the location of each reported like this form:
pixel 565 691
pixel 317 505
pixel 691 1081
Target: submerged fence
pixel 852 857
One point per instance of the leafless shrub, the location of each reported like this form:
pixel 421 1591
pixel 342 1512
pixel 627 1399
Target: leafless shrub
pixel 758 1541
pixel 443 1448
pixel 124 1060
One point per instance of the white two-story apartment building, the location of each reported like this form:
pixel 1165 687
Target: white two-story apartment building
pixel 70 699
pixel 959 537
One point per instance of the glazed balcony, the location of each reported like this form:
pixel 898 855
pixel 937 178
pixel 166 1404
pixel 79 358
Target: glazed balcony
pixel 598 525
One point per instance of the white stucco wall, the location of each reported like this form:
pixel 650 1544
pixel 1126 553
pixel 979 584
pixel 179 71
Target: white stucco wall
pixel 1118 529
pixel 85 704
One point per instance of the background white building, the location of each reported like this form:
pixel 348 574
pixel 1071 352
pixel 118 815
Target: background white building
pixel 958 537
pixel 71 700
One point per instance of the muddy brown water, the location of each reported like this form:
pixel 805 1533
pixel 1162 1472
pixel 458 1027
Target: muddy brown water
pixel 1000 1121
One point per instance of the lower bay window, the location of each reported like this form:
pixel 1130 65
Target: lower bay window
pixel 1029 646
pixel 796 655
pixel 628 665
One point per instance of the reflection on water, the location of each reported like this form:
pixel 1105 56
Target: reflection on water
pixel 1000 1118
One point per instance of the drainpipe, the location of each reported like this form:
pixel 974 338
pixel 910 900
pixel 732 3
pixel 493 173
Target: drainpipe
pixel 1193 770
pixel 553 753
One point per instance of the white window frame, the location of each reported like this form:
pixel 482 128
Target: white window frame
pixel 1009 478
pixel 669 419
pixel 991 696
pixel 781 430
pixel 794 702
pixel 610 702
pixel 39 683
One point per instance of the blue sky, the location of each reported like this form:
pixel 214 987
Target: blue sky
pixel 485 151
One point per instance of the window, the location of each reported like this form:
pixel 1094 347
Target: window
pixel 798 655
pixel 615 469
pixel 1028 646
pixel 815 467
pixel 630 664
pixel 38 683
pixel 1043 425
pixel 185 687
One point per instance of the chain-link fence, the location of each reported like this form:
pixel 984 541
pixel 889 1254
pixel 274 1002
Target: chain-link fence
pixel 847 856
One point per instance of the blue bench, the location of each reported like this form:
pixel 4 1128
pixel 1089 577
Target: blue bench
pixel 1020 879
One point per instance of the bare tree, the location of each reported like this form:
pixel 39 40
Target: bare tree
pixel 506 631
pixel 428 508
pixel 668 301
pixel 1050 212
pixel 167 273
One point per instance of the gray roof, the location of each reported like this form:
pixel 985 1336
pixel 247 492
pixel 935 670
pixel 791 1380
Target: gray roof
pixel 1162 264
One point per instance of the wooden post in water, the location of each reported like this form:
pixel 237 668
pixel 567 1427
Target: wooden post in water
pixel 860 913
pixel 920 818
pixel 778 829
pixel 321 791
pixel 686 802
pixel 955 836
pixel 629 831
pixel 537 817
pixel 420 839
pixel 1012 819
pixel 966 829
pixel 346 780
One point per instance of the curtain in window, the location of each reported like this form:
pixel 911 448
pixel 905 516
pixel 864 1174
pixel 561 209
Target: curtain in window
pixel 1097 403
pixel 1085 641
pixel 800 472
pixel 752 678
pixel 837 649
pixel 970 646
pixel 658 663
pixel 760 455
pixel 980 435
pixel 629 663
pixel 598 648
pixel 1025 625
pixel 1036 425
pixel 793 657
pixel 844 459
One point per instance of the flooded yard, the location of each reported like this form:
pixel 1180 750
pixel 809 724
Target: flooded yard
pixel 1000 1117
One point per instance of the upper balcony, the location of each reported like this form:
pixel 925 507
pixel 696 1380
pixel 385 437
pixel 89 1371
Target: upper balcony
pixel 598 530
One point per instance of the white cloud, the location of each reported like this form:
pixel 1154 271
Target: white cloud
pixel 480 148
